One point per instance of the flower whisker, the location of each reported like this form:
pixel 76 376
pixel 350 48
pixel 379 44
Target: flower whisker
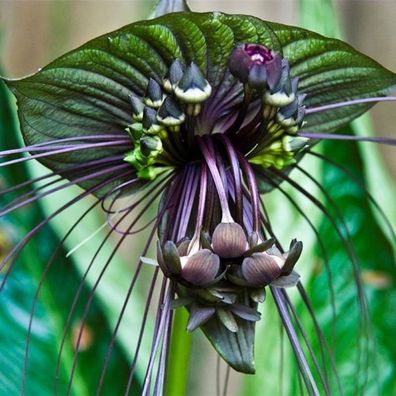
pixel 331 106
pixel 337 136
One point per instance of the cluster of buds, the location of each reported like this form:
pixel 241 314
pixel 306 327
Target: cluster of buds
pixel 226 275
pixel 162 111
pixel 266 74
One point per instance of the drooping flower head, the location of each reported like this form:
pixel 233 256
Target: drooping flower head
pixel 205 112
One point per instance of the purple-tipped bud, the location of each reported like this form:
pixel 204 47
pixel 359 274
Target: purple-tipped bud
pixel 173 76
pixel 193 87
pixel 229 240
pixel 170 114
pixel 260 269
pixel 154 95
pixel 137 107
pixel 201 268
pixel 150 123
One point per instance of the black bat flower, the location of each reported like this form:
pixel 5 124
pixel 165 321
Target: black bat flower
pixel 206 113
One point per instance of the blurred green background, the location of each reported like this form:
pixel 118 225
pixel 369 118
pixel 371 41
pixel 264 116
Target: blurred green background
pixel 33 32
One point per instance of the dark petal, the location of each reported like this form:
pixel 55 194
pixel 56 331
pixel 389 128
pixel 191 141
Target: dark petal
pixel 227 319
pixel 201 268
pixel 229 240
pixel 258 77
pixel 293 255
pixel 260 269
pixel 274 71
pixel 198 316
pixel 260 247
pixel 240 64
pixel 245 312
pixel 290 280
pixel 171 257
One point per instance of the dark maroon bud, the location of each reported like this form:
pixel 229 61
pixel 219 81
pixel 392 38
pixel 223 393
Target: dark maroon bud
pixel 293 255
pixel 258 77
pixel 261 269
pixel 171 257
pixel 229 240
pixel 199 315
pixel 240 64
pixel 201 268
pixel 258 53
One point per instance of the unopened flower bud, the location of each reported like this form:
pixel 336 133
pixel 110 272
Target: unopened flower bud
pixel 229 240
pixel 173 76
pixel 137 108
pixel 154 95
pixel 193 87
pixel 170 113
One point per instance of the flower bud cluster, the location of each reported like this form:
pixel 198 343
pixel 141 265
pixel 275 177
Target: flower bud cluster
pixel 226 275
pixel 163 109
pixel 266 75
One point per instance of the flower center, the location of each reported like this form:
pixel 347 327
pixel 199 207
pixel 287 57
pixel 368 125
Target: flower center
pixel 261 113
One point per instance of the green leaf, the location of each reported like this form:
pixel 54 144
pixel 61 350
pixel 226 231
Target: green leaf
pixel 377 263
pixel 52 306
pixel 86 91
